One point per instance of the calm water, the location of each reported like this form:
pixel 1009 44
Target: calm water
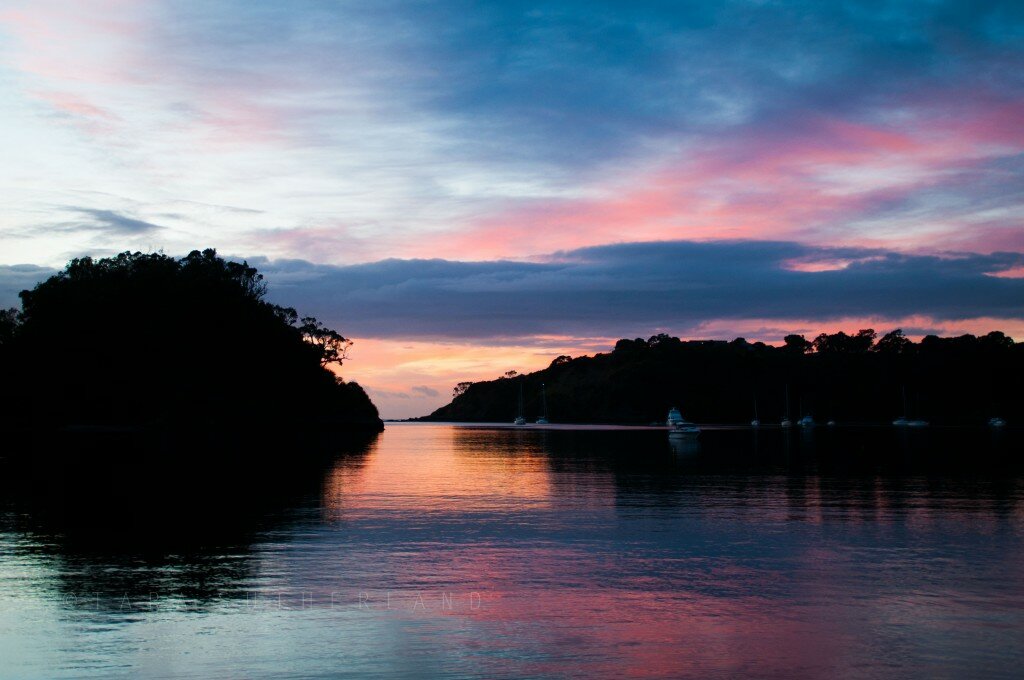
pixel 472 552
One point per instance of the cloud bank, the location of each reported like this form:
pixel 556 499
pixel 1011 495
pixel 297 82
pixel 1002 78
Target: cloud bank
pixel 628 289
pixel 632 288
pixel 16 278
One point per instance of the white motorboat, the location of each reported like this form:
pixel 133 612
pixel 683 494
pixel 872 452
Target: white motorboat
pixel 901 421
pixel 996 422
pixel 786 422
pixel 679 426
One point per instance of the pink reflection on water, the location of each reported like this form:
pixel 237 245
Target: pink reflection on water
pixel 727 589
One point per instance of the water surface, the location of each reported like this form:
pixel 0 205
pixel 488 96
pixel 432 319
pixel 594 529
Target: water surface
pixel 449 551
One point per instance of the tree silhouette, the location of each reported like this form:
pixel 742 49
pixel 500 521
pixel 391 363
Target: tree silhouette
pixel 147 340
pixel 333 347
pixel 8 325
pixel 797 344
pixel 894 342
pixel 848 377
pixel 841 343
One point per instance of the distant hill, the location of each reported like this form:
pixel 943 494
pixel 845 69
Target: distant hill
pixel 851 378
pixel 151 343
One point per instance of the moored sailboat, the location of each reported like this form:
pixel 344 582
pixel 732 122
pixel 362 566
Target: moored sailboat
pixel 543 420
pixel 520 419
pixel 902 420
pixel 786 422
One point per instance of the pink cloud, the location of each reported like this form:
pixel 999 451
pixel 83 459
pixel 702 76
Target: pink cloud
pixel 73 54
pixel 75 42
pixel 813 179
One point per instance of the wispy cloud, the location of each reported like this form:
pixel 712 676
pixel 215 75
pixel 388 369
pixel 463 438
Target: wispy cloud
pixel 501 129
pixel 109 222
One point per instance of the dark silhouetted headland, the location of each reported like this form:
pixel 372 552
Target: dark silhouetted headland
pixel 179 349
pixel 849 378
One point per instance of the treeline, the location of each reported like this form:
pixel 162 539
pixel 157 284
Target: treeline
pixel 151 342
pixel 849 378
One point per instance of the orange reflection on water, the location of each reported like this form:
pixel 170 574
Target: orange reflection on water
pixel 426 468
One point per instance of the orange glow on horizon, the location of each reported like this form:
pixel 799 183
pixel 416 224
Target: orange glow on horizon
pixel 412 378
pixel 401 374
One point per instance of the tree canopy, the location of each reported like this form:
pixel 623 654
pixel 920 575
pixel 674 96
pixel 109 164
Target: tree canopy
pixel 145 339
pixel 851 377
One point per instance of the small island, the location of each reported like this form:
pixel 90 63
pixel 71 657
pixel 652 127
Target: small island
pixel 183 351
pixel 846 378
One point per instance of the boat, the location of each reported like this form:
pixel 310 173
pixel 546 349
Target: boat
pixel 520 420
pixel 996 422
pixel 902 420
pixel 831 423
pixel 679 426
pixel 806 421
pixel 786 422
pixel 756 422
pixel 543 420
pixel 916 422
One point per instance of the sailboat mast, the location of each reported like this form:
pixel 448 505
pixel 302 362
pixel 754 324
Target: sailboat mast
pixel 543 402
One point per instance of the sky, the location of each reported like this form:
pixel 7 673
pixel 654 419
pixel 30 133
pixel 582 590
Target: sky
pixel 466 188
